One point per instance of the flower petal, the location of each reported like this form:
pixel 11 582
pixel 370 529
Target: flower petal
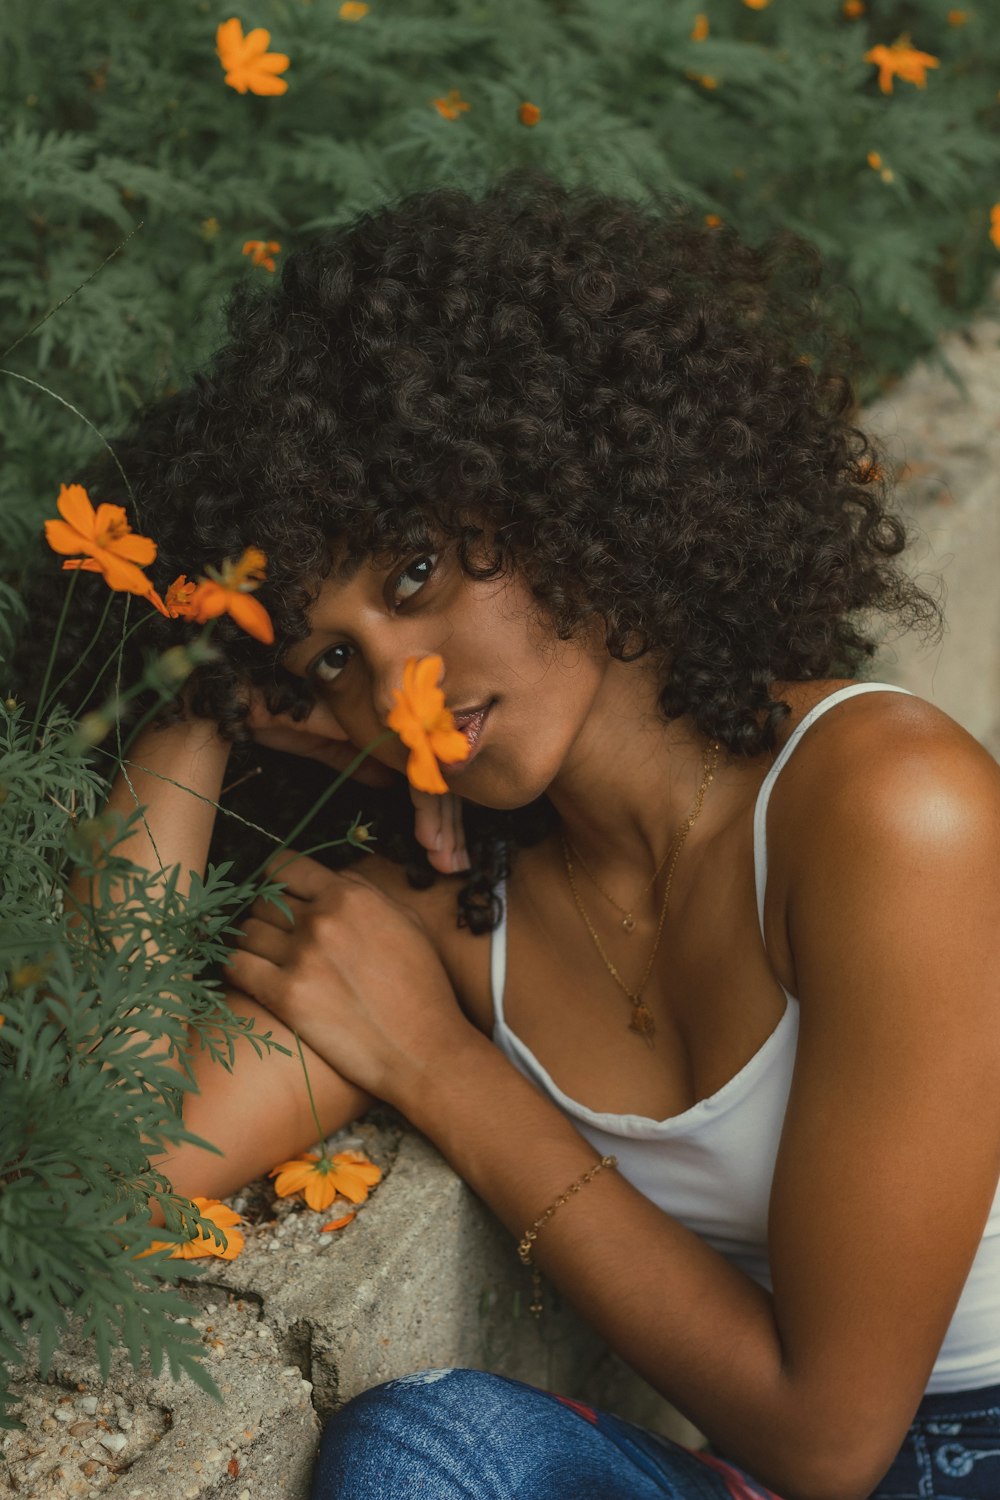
pixel 64 538
pixel 320 1190
pixel 252 617
pixel 74 506
pixel 263 83
pixel 339 1223
pixel 123 575
pixel 423 772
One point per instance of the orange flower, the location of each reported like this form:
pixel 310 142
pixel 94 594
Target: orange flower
pixel 451 106
pixel 995 224
pixel 706 80
pixel 228 592
pixel 262 252
pixel 201 1244
pixel 957 17
pixel 902 61
pixel 352 10
pixel 424 725
pixel 757 4
pixel 340 1223
pixel 246 60
pixel 320 1178
pixel 699 31
pixel 105 536
pixel 713 221
pixel 179 602
pixel 874 160
pixel 852 9
pixel 529 114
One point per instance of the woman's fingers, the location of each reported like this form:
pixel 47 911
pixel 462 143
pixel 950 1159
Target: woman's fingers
pixel 439 826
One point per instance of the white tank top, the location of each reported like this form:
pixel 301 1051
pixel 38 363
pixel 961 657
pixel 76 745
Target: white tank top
pixel 711 1166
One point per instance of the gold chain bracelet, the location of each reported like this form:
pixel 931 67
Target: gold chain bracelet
pixel 530 1235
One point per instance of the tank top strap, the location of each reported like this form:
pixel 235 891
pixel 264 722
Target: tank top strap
pixel 498 958
pixel 767 786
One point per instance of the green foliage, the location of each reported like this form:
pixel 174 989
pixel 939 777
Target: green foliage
pixel 118 115
pixel 93 1068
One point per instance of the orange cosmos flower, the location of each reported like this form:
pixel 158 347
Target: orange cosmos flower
pixel 179 603
pixel 713 221
pixel 262 252
pixel 228 592
pixel 699 30
pixel 995 224
pixel 246 60
pixel 902 61
pixel 424 725
pixel 529 114
pixel 450 106
pixel 757 4
pixel 957 17
pixel 706 80
pixel 352 10
pixel 320 1178
pixel 201 1244
pixel 106 538
pixel 852 9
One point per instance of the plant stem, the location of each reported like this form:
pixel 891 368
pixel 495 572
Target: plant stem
pixel 312 1102
pixel 83 657
pixel 52 657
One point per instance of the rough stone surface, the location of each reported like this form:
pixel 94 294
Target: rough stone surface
pixel 945 435
pixel 424 1276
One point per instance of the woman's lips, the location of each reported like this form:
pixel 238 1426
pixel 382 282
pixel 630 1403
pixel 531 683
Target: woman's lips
pixel 470 723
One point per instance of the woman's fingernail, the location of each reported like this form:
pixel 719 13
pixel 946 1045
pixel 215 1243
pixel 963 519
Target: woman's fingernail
pixel 438 842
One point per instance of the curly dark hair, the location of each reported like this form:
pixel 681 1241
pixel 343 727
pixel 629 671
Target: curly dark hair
pixel 647 417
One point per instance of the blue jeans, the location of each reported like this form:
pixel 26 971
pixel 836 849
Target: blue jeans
pixel 466 1435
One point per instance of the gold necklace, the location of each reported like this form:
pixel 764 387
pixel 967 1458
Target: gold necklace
pixel 628 922
pixel 642 1017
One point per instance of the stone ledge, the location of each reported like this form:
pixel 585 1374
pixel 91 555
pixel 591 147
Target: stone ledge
pixel 299 1323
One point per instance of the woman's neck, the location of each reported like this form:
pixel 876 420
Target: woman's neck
pixel 630 780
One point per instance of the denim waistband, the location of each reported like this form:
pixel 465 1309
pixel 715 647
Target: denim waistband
pixel 940 1403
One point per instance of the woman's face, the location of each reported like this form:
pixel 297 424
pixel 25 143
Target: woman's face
pixel 519 694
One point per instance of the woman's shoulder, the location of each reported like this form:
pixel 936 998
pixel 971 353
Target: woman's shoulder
pixel 879 776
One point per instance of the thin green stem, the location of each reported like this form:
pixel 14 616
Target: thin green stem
pixel 116 251
pixel 115 655
pixel 324 1156
pixel 83 656
pixel 52 658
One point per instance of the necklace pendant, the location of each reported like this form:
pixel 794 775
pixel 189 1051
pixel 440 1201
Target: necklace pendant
pixel 629 922
pixel 642 1022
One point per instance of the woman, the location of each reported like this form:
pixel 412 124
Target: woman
pixel 743 910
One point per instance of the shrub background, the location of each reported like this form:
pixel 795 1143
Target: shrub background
pixel 117 113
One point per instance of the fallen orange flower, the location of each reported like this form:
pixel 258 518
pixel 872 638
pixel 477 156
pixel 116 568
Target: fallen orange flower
pixel 901 61
pixel 320 1178
pixel 451 105
pixel 201 1244
pixel 105 536
pixel 246 60
pixel 424 725
pixel 339 1223
pixel 262 252
pixel 228 592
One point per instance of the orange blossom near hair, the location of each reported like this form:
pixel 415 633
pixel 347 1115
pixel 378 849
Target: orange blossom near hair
pixel 229 590
pixel 104 536
pixel 424 725
pixel 262 252
pixel 247 63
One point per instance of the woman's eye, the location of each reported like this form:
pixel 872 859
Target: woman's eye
pixel 328 667
pixel 415 575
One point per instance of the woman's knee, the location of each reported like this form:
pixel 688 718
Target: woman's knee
pixel 419 1435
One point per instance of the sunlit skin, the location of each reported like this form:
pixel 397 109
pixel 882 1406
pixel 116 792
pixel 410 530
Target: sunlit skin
pixel 882 916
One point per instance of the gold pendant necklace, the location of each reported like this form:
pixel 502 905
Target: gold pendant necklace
pixel 628 918
pixel 642 1017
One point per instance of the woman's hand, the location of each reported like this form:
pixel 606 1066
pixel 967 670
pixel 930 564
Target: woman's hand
pixel 354 973
pixel 319 736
